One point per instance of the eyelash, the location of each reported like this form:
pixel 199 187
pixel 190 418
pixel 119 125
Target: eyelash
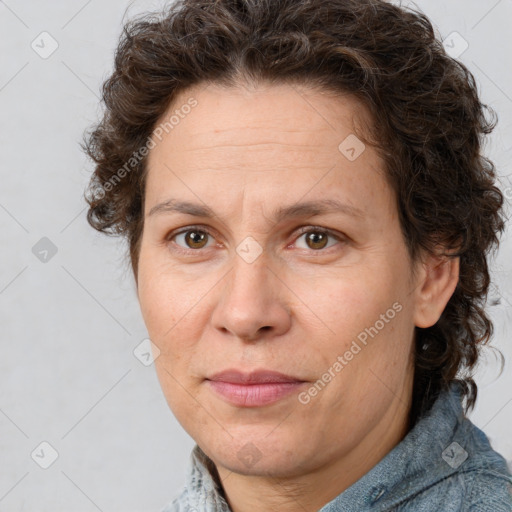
pixel 201 229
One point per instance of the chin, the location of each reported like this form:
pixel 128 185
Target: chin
pixel 256 455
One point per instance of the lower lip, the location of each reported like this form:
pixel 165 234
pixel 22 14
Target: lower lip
pixel 254 395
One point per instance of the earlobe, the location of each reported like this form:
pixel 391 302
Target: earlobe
pixel 438 282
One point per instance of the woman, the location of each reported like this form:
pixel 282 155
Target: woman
pixel 309 215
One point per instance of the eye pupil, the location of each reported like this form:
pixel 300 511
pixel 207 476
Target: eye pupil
pixel 313 238
pixel 195 238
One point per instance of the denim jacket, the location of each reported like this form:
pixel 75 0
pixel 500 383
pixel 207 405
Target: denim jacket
pixel 445 463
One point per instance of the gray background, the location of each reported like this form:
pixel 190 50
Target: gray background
pixel 70 321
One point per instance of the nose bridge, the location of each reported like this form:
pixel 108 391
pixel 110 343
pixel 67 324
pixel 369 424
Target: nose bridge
pixel 248 282
pixel 251 302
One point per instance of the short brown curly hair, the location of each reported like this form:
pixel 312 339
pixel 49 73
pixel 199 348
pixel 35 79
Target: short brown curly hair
pixel 428 127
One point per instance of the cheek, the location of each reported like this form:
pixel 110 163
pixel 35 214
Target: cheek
pixel 353 300
pixel 157 298
pixel 172 308
pixel 370 325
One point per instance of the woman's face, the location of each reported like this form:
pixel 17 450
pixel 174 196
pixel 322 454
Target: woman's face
pixel 289 259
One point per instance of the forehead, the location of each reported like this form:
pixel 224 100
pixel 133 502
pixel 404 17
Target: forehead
pixel 275 136
pixel 284 100
pixel 259 114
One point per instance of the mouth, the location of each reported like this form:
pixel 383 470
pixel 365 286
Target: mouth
pixel 255 389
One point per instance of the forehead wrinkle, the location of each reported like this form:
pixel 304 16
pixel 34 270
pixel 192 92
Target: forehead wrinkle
pixel 253 144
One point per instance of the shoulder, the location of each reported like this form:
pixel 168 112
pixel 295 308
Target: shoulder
pixel 451 466
pixel 488 490
pixel 178 504
pixel 479 479
pixel 464 491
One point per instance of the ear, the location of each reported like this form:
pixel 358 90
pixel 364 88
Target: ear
pixel 436 281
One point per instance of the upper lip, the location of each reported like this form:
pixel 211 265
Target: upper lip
pixel 254 377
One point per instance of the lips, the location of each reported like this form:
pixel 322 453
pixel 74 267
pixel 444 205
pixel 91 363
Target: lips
pixel 255 389
pixel 255 377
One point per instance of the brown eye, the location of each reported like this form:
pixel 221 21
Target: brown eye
pixel 316 239
pixel 196 239
pixel 191 239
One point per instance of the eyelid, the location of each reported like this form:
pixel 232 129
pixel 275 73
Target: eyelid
pixel 320 229
pixel 185 229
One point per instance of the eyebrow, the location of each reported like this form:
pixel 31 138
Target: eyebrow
pixel 308 208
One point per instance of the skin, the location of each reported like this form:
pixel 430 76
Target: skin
pixel 244 152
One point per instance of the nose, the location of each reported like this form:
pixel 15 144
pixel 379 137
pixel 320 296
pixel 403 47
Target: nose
pixel 253 303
